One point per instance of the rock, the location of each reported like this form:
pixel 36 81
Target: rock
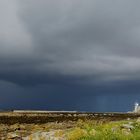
pixel 128 119
pixel 128 126
pixel 126 132
pixel 13 136
pixel 138 120
pixel 45 136
pixel 130 123
pixel 15 127
pixel 114 129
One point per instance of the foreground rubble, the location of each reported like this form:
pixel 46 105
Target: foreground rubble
pixel 73 130
pixel 69 126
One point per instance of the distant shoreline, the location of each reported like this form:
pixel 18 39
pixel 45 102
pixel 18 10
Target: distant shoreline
pixel 32 116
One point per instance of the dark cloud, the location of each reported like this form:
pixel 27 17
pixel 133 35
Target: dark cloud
pixel 84 38
pixel 93 44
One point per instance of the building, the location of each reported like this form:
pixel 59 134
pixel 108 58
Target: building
pixel 136 108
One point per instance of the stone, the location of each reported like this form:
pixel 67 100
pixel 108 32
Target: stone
pixel 126 132
pixel 138 120
pixel 45 136
pixel 127 126
pixel 13 136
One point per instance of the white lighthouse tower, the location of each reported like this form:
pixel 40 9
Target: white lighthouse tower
pixel 136 108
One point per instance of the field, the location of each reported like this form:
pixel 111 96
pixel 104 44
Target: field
pixel 69 126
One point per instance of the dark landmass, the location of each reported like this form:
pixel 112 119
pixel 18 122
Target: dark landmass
pixel 12 117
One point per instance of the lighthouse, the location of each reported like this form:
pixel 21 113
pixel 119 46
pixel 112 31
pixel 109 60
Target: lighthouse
pixel 136 107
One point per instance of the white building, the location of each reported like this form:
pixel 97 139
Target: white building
pixel 136 108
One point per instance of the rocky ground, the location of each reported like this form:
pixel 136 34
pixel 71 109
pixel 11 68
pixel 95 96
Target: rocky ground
pixel 47 131
pixel 66 126
pixel 73 130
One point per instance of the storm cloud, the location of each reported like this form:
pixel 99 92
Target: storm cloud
pixel 92 44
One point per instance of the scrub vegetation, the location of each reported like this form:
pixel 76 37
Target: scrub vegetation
pixel 118 130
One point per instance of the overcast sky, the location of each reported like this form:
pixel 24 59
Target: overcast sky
pixel 69 54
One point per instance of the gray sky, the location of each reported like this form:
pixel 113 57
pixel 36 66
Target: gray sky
pixel 52 47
